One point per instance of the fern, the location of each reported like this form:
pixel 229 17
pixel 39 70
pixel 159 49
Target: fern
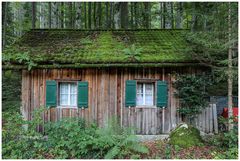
pixel 132 53
pixel 139 148
pixel 112 153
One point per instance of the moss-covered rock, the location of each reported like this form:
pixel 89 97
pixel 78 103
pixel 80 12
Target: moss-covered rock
pixel 185 136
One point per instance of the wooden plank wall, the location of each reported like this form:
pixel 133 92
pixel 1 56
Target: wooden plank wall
pixel 207 120
pixel 106 97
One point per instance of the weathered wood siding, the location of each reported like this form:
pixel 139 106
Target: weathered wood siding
pixel 106 96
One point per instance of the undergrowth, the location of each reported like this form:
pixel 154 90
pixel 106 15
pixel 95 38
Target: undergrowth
pixel 66 139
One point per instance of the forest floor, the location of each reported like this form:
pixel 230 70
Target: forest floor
pixel 162 150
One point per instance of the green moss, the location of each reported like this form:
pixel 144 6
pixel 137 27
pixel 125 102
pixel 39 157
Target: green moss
pixel 99 47
pixel 185 137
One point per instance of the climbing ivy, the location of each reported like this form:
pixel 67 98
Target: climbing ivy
pixel 192 93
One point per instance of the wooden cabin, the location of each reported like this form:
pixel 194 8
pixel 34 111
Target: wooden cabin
pixel 99 74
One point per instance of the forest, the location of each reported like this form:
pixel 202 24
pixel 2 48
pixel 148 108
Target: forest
pixel 212 40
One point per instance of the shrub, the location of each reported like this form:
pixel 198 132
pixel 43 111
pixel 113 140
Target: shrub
pixel 227 143
pixel 19 142
pixel 192 94
pixel 66 139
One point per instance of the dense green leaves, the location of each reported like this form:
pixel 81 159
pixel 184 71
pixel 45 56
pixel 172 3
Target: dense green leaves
pixel 66 139
pixel 192 92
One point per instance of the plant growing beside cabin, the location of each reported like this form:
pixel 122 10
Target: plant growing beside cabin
pixel 192 93
pixel 68 138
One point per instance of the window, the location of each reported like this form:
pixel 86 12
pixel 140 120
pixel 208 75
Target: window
pixel 145 94
pixel 68 94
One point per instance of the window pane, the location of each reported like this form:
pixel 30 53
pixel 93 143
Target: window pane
pixel 63 99
pixel 73 89
pixel 139 88
pixel 139 99
pixel 63 88
pixel 148 99
pixel 73 100
pixel 148 88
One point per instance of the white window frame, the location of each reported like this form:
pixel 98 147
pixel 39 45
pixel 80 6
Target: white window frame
pixel 144 93
pixel 69 94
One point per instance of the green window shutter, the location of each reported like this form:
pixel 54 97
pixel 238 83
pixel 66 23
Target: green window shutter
pixel 130 93
pixel 82 94
pixel 51 93
pixel 162 94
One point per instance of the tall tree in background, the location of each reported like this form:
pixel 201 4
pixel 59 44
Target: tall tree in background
pixel 62 15
pixel 124 14
pixel 49 14
pixel 33 15
pixel 147 14
pixel 4 21
pixel 99 15
pixel 230 75
pixel 179 15
pixel 90 15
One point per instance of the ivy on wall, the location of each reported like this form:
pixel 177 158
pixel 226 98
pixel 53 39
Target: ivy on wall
pixel 192 93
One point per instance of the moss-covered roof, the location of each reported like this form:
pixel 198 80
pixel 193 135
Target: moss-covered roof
pixel 76 48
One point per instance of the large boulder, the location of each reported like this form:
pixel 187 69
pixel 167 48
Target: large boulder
pixel 185 136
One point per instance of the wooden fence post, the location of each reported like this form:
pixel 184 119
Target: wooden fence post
pixel 215 121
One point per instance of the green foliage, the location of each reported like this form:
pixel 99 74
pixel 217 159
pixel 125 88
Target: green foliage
pixel 11 90
pixel 191 90
pixel 20 139
pixel 66 139
pixel 133 53
pixel 86 41
pixel 185 136
pixel 227 143
pixel 22 58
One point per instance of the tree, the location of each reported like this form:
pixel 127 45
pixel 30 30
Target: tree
pixel 99 15
pixel 62 15
pixel 78 21
pixel 33 15
pixel 90 15
pixel 147 15
pixel 4 20
pixel 49 14
pixel 230 75
pixel 179 16
pixel 124 14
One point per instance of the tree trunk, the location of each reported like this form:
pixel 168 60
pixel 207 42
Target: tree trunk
pixel 146 14
pixel 49 14
pixel 107 15
pixel 70 15
pixel 33 15
pixel 111 15
pixel 172 16
pixel 78 15
pixel 230 74
pixel 194 19
pixel 132 12
pixel 99 15
pixel 4 20
pixel 124 14
pixel 135 14
pixel 85 15
pixel 90 15
pixel 168 17
pixel 179 16
pixel 94 16
pixel 164 15
pixel 62 15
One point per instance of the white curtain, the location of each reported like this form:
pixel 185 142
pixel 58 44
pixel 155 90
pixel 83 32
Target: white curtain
pixel 68 94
